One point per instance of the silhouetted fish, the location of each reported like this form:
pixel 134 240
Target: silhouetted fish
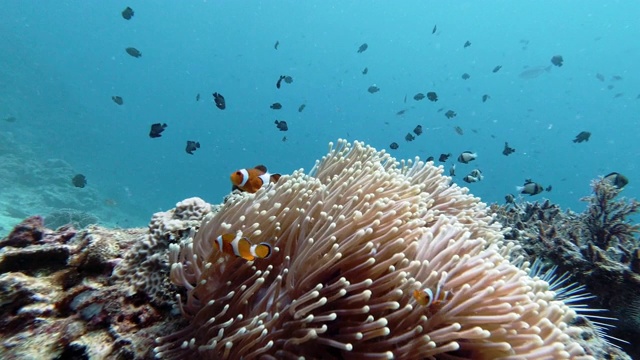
pixel 192 146
pixel 133 52
pixel 282 125
pixel 363 48
pixel 117 99
pixel 79 181
pixel 156 130
pixel 276 106
pixel 301 107
pixel 127 13
pixel 275 46
pixel 220 102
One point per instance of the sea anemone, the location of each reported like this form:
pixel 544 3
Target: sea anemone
pixel 351 242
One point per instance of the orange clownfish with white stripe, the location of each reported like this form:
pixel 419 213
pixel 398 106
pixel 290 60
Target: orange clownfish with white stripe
pixel 236 244
pixel 251 180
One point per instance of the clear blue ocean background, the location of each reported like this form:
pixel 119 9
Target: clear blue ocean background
pixel 62 61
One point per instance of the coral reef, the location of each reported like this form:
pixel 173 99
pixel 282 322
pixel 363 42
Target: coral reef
pixel 352 243
pixel 43 186
pixel 598 248
pixel 95 293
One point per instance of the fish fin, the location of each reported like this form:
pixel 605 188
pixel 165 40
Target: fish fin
pixel 261 251
pixel 261 167
pixel 275 178
pixel 519 188
pixel 244 249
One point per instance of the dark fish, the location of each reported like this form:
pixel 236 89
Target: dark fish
pixel 418 130
pixel 156 130
pixel 220 102
pixel 284 139
pixel 198 97
pixel 617 180
pixel 530 188
pixel 485 97
pixel 497 68
pixel 583 136
pixel 10 119
pixel 465 76
pixel 301 107
pixel 435 27
pixel 288 79
pixel 282 125
pixel 430 158
pixel 470 179
pixel 373 89
pixel 275 46
pixel 133 52
pixel 444 157
pixel 405 98
pixel 510 199
pixel 459 130
pixel 365 71
pixel 117 99
pixel 79 181
pixel 467 44
pixel 616 78
pixel 548 188
pixel 279 81
pixel 394 146
pixel 401 112
pixel 192 146
pixel 600 77
pixel 409 137
pixel 276 106
pixel 557 60
pixel 418 96
pixel 467 156
pixel 450 114
pixel 127 13
pixel 431 95
pixel 507 150
pixel 618 95
pixel 363 48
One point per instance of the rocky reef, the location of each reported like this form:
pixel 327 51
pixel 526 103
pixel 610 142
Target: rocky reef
pixel 90 294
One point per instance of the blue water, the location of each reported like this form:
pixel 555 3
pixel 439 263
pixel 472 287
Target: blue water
pixel 62 61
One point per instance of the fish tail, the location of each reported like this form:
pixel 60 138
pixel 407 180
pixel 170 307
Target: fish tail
pixel 261 251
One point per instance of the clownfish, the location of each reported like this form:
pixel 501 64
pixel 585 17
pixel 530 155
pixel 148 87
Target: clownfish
pixel 427 298
pixel 236 244
pixel 251 180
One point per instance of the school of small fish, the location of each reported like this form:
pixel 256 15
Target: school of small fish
pixel 250 180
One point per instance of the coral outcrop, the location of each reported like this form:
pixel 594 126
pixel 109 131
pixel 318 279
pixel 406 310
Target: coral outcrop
pixel 599 248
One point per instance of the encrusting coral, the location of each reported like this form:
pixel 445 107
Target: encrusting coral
pixel 351 243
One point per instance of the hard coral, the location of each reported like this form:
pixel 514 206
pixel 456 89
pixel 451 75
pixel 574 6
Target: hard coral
pixel 598 248
pixel 351 244
pixel 145 269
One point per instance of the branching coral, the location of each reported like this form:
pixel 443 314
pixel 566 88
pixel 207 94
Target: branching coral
pixel 606 218
pixel 597 247
pixel 351 244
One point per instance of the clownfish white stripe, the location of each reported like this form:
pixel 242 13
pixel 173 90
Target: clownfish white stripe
pixel 245 177
pixel 266 177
